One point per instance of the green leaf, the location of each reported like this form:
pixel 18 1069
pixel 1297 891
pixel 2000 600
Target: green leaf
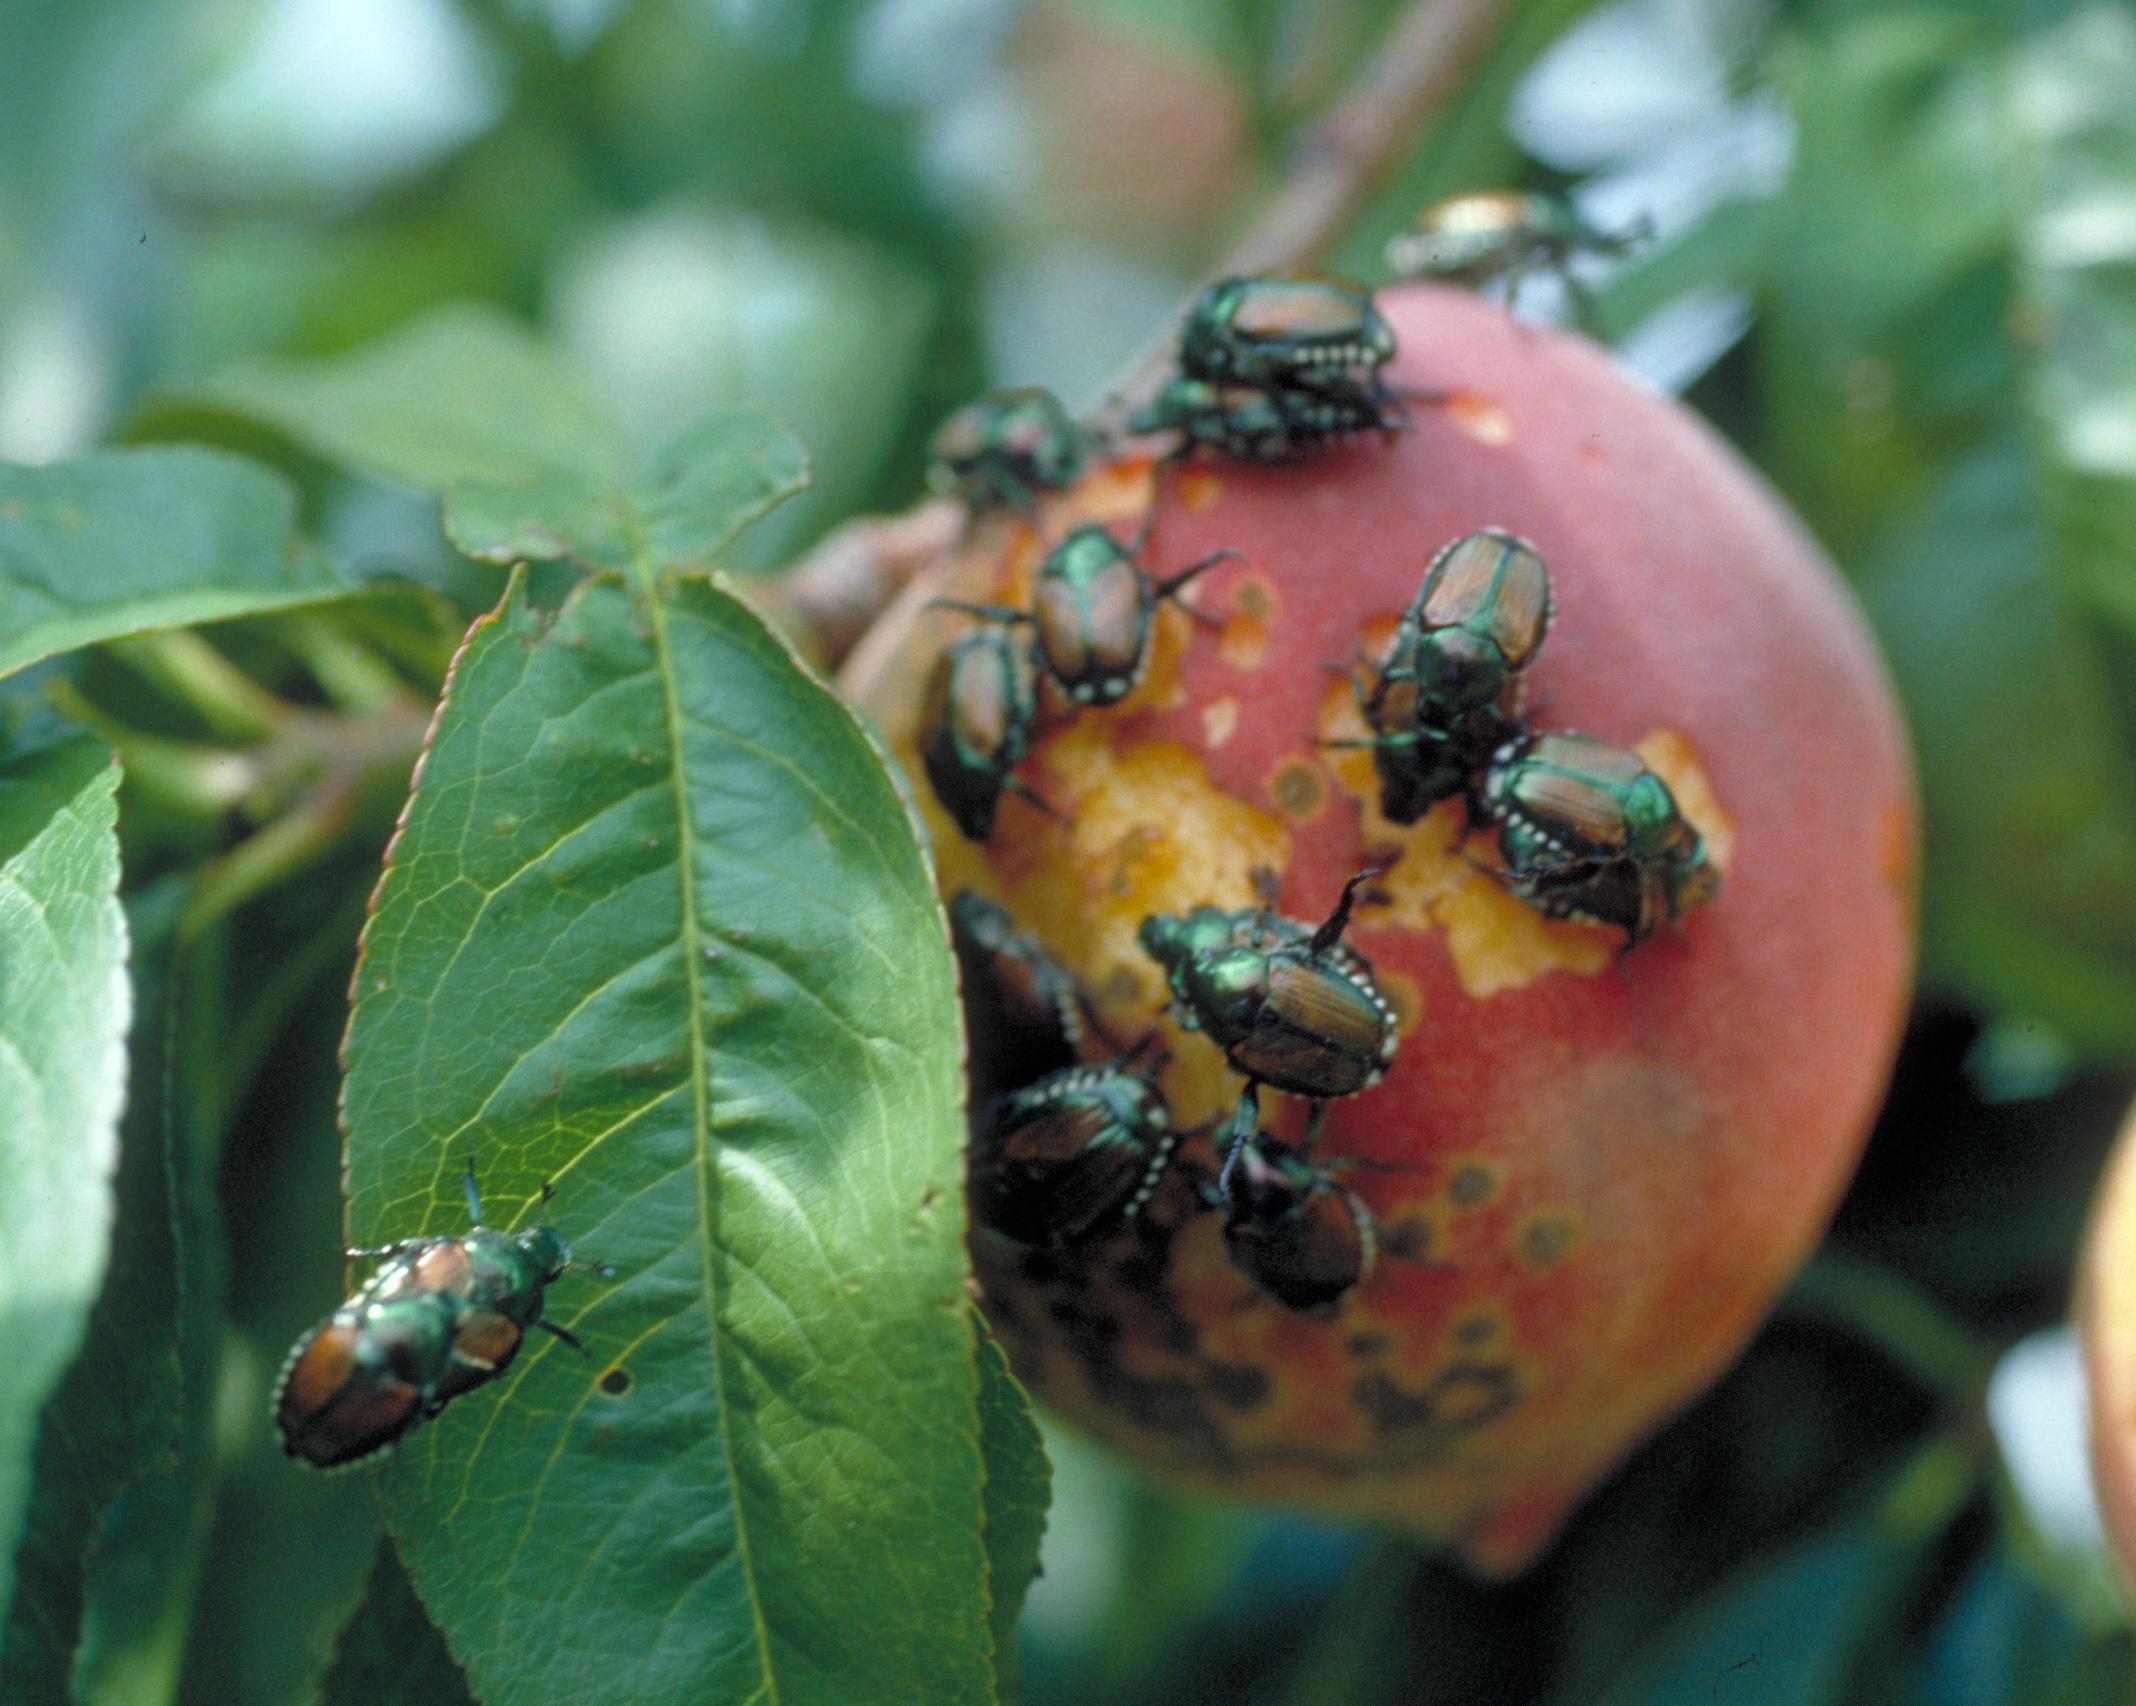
pixel 658 927
pixel 2076 243
pixel 1018 1488
pixel 1794 1628
pixel 691 497
pixel 260 1631
pixel 2006 1641
pixel 391 1654
pixel 123 541
pixel 64 1006
pixel 2029 838
pixel 464 393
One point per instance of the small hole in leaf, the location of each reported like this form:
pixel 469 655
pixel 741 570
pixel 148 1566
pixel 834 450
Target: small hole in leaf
pixel 615 1382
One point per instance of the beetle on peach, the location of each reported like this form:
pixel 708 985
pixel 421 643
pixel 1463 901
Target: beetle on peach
pixel 1590 1170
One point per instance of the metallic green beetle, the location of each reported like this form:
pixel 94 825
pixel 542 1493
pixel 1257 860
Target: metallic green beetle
pixel 1287 331
pixel 1010 977
pixel 1475 239
pixel 1250 424
pixel 1290 1006
pixel 440 1317
pixel 976 724
pixel 1588 831
pixel 1446 694
pixel 1071 1156
pixel 1005 448
pixel 1091 609
pixel 1289 1225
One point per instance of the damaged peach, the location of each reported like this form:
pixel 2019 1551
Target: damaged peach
pixel 1589 1170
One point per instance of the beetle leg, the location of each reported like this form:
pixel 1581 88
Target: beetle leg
pixel 1312 1129
pixel 1339 920
pixel 564 1333
pixel 474 1197
pixel 1244 1121
pixel 1169 587
pixel 1024 791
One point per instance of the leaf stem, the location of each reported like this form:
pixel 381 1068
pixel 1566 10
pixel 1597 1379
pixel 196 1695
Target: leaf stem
pixel 224 697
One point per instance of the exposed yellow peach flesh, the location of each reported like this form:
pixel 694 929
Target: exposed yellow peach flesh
pixel 1592 1169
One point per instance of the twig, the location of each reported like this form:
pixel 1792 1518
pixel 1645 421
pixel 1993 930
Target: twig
pixel 1341 160
pixel 833 594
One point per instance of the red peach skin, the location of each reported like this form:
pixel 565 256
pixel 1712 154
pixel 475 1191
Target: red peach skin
pixel 1593 1173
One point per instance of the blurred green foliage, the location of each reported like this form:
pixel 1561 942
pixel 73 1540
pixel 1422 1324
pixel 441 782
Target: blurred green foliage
pixel 375 250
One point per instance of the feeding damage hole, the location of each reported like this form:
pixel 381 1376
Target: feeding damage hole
pixel 615 1382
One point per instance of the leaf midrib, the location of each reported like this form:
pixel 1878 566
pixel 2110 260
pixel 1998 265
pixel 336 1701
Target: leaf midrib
pixel 693 940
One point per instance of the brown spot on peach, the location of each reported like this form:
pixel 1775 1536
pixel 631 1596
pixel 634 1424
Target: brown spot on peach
pixel 1471 1184
pixel 1297 789
pixel 1545 1239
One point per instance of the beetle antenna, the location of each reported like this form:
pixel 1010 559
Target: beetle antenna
pixel 548 1189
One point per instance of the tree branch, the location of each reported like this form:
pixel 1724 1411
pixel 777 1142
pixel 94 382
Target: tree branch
pixel 832 595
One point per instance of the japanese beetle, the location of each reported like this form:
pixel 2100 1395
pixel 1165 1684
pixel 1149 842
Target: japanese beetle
pixel 1474 239
pixel 1285 332
pixel 1005 448
pixel 1440 706
pixel 1090 613
pixel 1071 1155
pixel 1025 1015
pixel 1588 831
pixel 975 726
pixel 440 1317
pixel 1289 1226
pixel 1253 425
pixel 1291 1007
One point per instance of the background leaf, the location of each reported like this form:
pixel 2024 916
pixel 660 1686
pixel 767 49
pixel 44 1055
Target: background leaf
pixel 464 393
pixel 1018 1487
pixel 124 541
pixel 717 1009
pixel 64 1007
pixel 692 496
pixel 391 1653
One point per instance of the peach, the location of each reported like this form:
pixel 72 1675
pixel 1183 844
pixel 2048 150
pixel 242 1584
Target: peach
pixel 1592 1170
pixel 2106 1323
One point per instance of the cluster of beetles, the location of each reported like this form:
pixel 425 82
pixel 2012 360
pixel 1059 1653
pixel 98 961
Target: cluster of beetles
pixel 1269 366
